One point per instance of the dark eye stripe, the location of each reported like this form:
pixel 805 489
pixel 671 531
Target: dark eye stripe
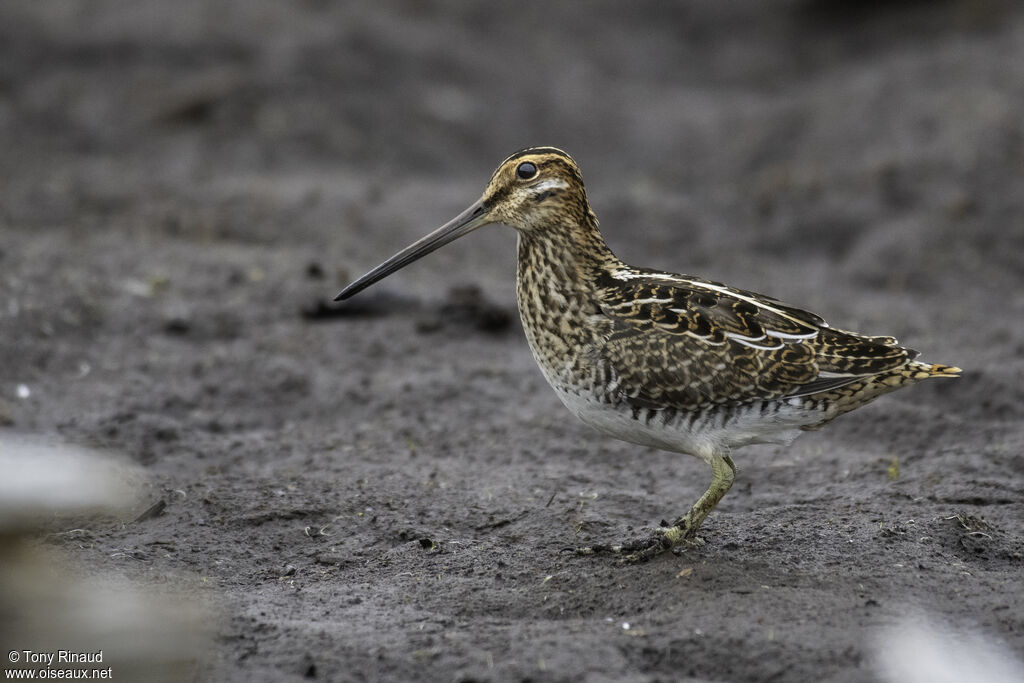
pixel 526 170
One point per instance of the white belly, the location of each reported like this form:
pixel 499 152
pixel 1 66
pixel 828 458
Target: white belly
pixel 703 437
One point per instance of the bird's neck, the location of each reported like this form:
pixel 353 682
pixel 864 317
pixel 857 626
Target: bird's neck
pixel 558 265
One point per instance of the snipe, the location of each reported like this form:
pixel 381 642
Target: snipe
pixel 660 359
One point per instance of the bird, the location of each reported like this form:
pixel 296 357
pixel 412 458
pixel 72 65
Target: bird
pixel 654 358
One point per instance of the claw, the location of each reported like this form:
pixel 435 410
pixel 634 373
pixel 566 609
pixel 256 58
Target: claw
pixel 640 550
pixel 598 548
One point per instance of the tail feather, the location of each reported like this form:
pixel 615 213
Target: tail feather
pixel 852 396
pixel 912 372
pixel 938 370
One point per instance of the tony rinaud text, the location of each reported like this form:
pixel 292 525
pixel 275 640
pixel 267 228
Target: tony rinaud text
pixel 62 657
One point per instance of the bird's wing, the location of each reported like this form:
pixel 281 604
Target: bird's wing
pixel 686 343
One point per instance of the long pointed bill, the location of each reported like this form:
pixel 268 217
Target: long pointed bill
pixel 467 221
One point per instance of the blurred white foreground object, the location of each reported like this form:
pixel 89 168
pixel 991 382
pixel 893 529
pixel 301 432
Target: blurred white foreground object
pixel 144 632
pixel 923 650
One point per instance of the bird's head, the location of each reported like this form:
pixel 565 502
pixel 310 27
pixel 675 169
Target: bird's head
pixel 533 190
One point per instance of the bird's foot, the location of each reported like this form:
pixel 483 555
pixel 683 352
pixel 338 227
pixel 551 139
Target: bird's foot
pixel 676 537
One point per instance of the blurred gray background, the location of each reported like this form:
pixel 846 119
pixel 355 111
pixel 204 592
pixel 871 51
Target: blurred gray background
pixel 184 186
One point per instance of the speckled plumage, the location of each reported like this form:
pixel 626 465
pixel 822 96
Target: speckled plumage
pixel 660 359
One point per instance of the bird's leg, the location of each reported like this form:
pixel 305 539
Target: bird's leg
pixel 723 473
pixel 684 529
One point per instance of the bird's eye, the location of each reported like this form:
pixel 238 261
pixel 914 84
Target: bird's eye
pixel 526 170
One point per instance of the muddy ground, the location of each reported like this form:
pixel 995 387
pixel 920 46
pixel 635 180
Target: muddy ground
pixel 383 492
